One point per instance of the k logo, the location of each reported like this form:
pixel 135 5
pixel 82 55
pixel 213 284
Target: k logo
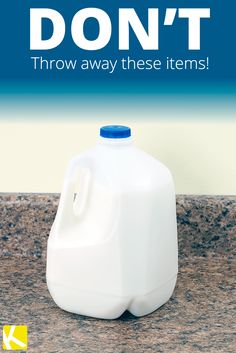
pixel 15 338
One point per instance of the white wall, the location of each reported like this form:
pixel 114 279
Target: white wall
pixel 199 152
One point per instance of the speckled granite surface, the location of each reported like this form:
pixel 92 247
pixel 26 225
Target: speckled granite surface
pixel 200 317
pixel 205 224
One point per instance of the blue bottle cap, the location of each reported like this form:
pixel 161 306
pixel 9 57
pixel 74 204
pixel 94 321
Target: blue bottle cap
pixel 115 131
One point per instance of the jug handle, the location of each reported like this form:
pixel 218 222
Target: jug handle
pixel 66 214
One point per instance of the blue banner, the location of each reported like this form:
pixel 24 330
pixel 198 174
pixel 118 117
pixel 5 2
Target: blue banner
pixel 122 41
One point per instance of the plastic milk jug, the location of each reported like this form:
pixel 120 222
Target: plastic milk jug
pixel 113 244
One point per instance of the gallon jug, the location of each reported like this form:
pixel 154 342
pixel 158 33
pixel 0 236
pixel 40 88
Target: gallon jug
pixel 113 244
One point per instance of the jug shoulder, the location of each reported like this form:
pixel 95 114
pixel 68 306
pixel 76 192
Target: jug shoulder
pixel 124 168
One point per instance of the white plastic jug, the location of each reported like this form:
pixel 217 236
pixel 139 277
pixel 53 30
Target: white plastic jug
pixel 113 244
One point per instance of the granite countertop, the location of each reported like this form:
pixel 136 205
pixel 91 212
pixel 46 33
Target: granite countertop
pixel 200 316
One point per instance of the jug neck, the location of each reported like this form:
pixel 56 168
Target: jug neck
pixel 128 141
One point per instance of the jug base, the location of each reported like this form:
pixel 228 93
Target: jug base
pixel 105 306
pixel 148 303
